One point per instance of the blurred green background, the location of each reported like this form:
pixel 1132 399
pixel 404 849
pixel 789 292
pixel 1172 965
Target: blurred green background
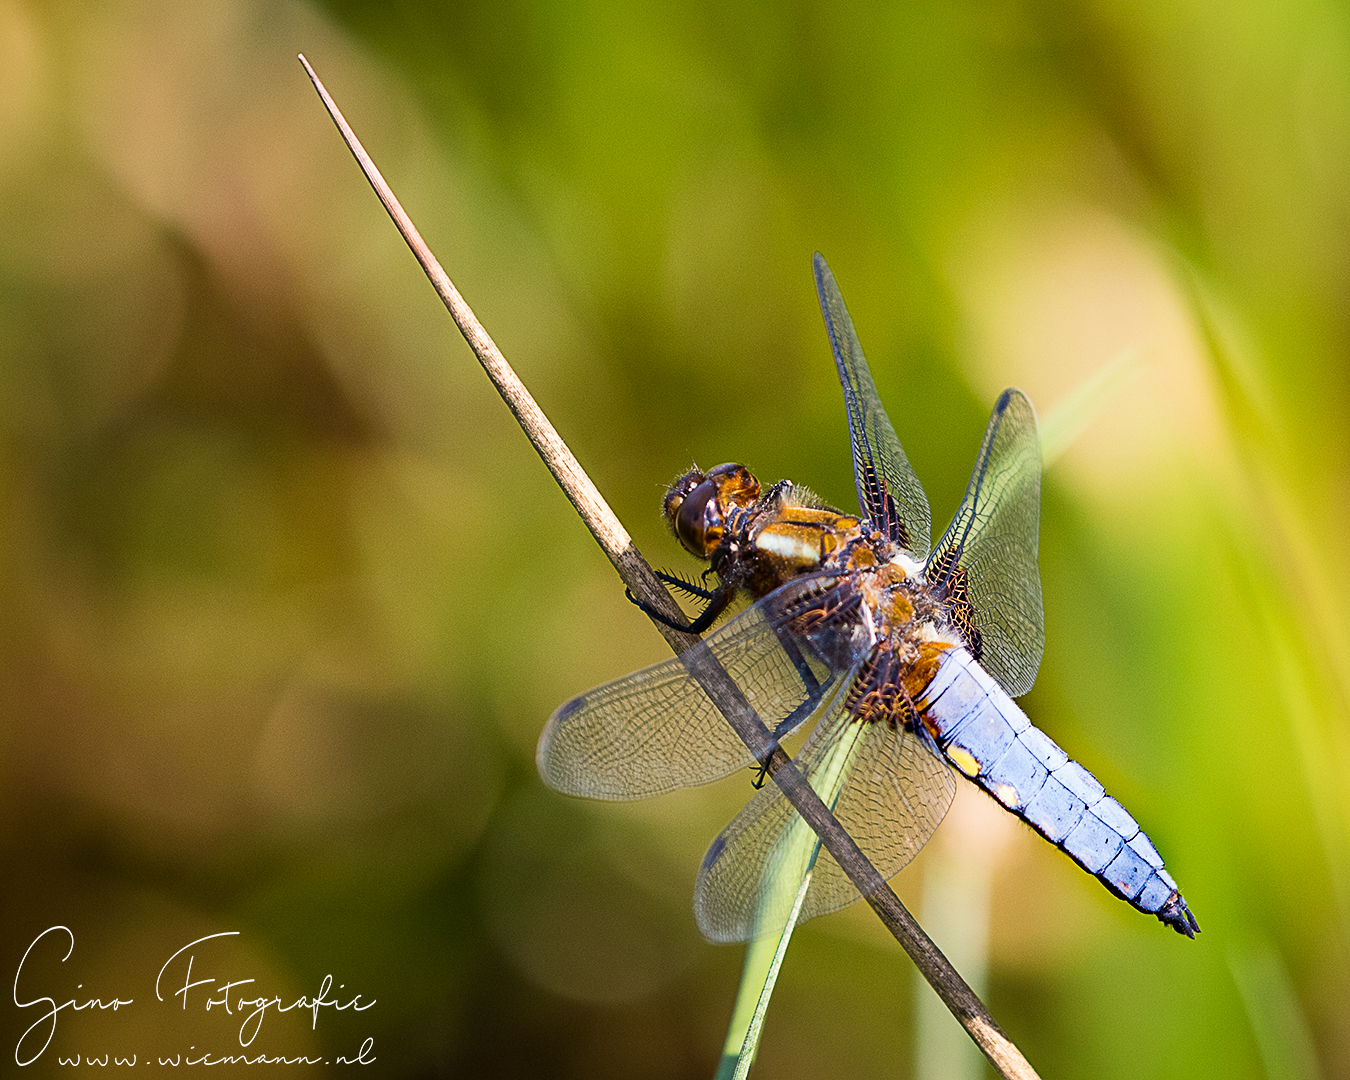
pixel 287 597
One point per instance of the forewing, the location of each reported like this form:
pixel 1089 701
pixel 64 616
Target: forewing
pixel 895 794
pixel 658 729
pixel 889 493
pixel 985 564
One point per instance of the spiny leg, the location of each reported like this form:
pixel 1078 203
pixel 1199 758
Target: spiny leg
pixel 715 599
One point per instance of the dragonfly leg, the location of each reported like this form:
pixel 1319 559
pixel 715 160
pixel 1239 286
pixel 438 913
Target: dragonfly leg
pixel 781 731
pixel 717 601
pixel 684 585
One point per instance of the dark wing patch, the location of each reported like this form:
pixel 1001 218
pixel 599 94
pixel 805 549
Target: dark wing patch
pixel 889 493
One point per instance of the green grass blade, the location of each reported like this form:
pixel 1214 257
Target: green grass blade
pixel 792 867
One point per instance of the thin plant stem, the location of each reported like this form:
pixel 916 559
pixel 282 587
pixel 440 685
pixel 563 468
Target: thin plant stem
pixel 614 540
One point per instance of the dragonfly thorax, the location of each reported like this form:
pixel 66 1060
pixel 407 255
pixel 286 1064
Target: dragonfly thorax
pixel 912 629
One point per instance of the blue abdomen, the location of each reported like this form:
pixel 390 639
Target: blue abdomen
pixel 986 736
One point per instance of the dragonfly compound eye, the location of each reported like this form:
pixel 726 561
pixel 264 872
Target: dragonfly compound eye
pixel 697 519
pixel 678 491
pixel 697 505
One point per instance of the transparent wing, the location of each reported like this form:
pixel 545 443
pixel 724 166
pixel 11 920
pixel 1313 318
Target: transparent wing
pixel 985 564
pixel 658 729
pixel 889 493
pixel 897 796
pixel 893 792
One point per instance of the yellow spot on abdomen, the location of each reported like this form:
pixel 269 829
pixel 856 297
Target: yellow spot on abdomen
pixel 1007 795
pixel 964 760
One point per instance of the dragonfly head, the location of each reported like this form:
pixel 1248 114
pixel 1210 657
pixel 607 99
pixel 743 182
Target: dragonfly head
pixel 697 504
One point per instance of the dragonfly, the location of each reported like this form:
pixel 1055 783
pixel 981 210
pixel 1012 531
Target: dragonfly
pixel 903 655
